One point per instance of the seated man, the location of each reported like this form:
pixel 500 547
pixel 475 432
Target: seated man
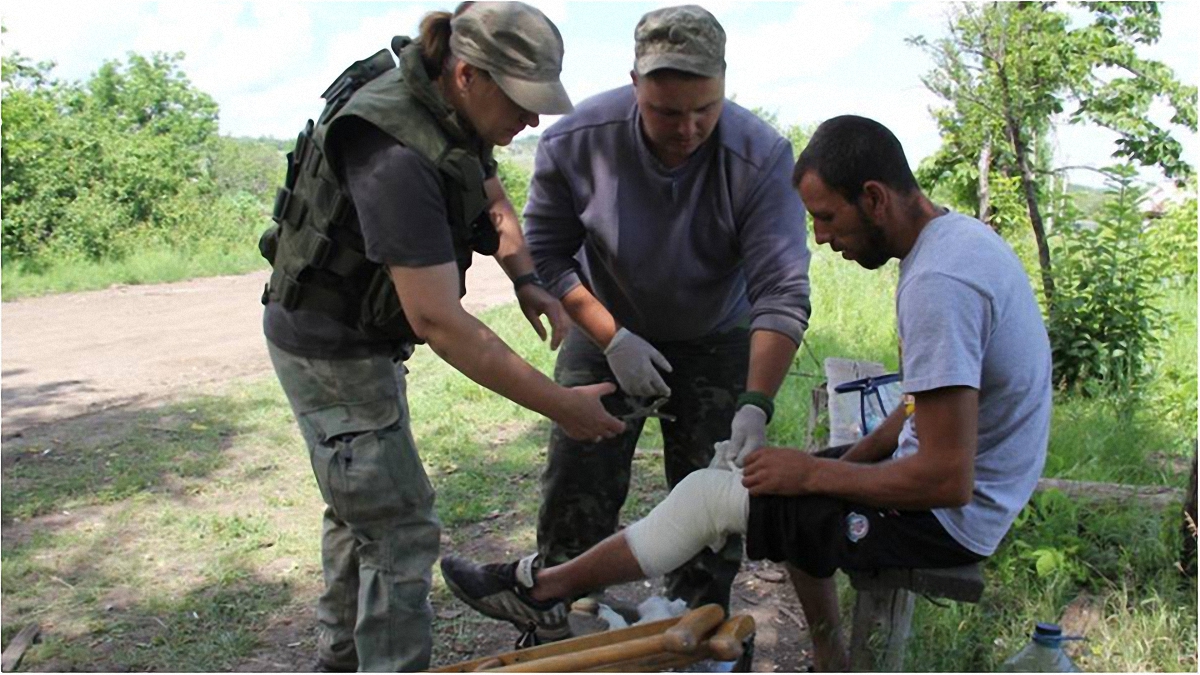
pixel 938 484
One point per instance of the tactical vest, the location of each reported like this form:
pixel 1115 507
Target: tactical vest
pixel 316 247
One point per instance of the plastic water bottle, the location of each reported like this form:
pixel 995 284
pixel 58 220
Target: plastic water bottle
pixel 1043 654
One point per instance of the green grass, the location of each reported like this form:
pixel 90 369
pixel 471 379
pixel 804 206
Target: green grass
pixel 184 537
pixel 146 266
pixel 1117 561
pixel 149 539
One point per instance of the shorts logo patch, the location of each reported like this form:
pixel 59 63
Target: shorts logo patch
pixel 857 526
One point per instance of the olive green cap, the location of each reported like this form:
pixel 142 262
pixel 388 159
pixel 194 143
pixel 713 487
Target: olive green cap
pixel 686 38
pixel 519 47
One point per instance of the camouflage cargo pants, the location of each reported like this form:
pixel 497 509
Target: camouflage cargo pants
pixel 380 534
pixel 585 484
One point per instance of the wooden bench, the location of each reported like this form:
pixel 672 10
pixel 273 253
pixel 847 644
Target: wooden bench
pixel 885 598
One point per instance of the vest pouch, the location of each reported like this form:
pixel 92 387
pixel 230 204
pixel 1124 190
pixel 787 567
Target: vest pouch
pixel 381 306
pixel 466 198
pixel 268 243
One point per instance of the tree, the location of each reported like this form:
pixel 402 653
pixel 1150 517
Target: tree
pixel 1007 69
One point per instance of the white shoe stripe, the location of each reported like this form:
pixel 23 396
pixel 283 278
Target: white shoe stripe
pixel 524 571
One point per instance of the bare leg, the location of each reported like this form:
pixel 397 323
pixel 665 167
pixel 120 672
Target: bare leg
pixel 819 599
pixel 608 563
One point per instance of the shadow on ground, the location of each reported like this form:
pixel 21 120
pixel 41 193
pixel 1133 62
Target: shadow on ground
pixel 115 454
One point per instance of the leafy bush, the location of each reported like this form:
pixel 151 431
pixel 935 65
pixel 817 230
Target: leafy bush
pixel 130 158
pixel 1174 235
pixel 515 179
pixel 254 166
pixel 1118 559
pixel 1104 318
pixel 1173 388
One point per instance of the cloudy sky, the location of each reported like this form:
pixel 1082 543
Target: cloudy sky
pixel 266 62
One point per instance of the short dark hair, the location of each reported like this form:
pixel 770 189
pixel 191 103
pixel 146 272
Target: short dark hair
pixel 847 151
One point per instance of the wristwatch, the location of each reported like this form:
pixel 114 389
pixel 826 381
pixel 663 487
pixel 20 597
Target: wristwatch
pixel 529 278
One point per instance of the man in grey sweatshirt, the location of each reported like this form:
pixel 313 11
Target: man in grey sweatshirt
pixel 662 215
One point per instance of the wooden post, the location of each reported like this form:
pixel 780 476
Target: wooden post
pixel 820 404
pixel 882 620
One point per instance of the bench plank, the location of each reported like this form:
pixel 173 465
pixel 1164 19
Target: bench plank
pixel 964 584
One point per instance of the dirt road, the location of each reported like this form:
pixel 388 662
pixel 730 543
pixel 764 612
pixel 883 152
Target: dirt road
pixel 71 354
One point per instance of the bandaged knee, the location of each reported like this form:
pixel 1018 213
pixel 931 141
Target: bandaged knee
pixel 703 510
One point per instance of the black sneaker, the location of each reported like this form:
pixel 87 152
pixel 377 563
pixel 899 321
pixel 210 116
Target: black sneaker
pixel 501 591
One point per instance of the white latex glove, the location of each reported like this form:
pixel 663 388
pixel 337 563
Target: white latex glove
pixel 633 361
pixel 747 434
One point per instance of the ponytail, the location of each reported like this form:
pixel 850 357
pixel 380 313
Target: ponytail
pixel 434 39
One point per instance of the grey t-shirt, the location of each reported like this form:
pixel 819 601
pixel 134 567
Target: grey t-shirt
pixel 674 254
pixel 968 317
pixel 403 220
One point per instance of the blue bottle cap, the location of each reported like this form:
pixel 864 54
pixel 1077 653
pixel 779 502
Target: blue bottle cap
pixel 1049 634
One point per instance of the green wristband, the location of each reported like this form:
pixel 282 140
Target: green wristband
pixel 759 399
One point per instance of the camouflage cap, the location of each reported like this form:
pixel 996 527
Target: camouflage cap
pixel 686 38
pixel 519 47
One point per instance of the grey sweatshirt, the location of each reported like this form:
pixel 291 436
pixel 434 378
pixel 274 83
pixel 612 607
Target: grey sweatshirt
pixel 673 254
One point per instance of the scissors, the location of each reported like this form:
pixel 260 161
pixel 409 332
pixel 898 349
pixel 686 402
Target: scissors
pixel 639 410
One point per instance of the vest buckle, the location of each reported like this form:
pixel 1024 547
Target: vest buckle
pixel 319 248
pixel 289 292
pixel 283 199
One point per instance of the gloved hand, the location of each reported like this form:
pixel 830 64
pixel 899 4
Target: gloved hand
pixel 747 434
pixel 633 362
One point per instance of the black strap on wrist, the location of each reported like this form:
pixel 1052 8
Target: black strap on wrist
pixel 529 278
pixel 758 399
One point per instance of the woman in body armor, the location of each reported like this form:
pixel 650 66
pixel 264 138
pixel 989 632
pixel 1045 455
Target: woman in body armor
pixel 387 196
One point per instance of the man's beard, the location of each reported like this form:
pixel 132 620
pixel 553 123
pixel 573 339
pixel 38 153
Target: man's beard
pixel 875 253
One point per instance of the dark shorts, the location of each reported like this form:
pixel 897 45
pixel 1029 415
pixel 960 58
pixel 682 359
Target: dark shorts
pixel 821 535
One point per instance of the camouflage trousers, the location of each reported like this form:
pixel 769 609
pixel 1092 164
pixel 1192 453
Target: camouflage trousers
pixel 585 484
pixel 380 534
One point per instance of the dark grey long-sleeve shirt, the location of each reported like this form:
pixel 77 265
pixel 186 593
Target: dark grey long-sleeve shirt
pixel 674 254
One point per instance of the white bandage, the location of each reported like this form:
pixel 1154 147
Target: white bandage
pixel 704 508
